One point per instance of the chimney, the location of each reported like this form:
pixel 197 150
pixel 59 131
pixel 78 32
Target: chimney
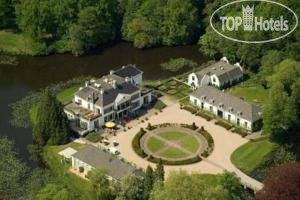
pixel 87 83
pixel 127 79
pixel 111 72
pixel 114 84
pixel 101 91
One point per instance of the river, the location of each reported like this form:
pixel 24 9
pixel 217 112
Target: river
pixel 33 73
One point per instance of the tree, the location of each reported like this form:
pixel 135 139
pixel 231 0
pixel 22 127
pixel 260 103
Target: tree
pixel 12 171
pixel 100 182
pixel 160 172
pixel 52 125
pixel 283 182
pixel 181 23
pixel 131 188
pixel 180 185
pixel 53 192
pixel 278 124
pixel 231 183
pixel 148 182
pixel 174 65
pixel 7 13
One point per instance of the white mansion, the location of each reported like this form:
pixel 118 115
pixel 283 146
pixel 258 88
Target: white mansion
pixel 228 107
pixel 112 97
pixel 220 74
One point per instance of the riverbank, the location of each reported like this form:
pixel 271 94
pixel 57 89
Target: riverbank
pixel 14 44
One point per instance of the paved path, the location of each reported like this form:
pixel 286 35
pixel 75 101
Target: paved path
pixel 225 143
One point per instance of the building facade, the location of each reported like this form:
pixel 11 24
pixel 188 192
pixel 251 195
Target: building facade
pixel 228 107
pixel 220 75
pixel 113 97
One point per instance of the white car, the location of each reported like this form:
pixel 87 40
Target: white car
pixel 113 150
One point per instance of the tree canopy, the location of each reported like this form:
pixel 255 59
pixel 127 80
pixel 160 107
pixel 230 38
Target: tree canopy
pixel 52 126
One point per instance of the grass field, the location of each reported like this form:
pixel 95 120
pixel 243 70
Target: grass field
pixel 173 153
pixel 250 155
pixel 172 135
pixel 155 144
pixel 14 43
pixel 60 169
pixel 190 143
pixel 67 94
pixel 256 94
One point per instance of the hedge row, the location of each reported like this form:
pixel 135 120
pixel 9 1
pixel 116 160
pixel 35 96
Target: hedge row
pixel 192 126
pixel 242 132
pixel 136 145
pixel 207 136
pixel 205 116
pixel 224 124
pixel 190 109
pixel 179 162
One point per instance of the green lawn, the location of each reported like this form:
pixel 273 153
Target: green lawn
pixel 14 43
pixel 190 143
pixel 159 105
pixel 172 135
pixel 250 155
pixel 60 170
pixel 173 153
pixel 67 94
pixel 256 94
pixel 155 144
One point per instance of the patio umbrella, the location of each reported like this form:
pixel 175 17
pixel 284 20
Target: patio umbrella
pixel 110 124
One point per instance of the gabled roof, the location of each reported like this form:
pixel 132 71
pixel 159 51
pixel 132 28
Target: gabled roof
pixel 97 158
pixel 128 71
pixel 223 70
pixel 229 103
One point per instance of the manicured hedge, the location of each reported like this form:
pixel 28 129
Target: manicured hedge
pixel 180 162
pixel 190 109
pixel 240 131
pixel 207 136
pixel 136 145
pixel 224 124
pixel 192 126
pixel 205 116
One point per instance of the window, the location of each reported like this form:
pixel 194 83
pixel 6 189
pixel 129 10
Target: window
pixel 98 110
pixel 79 101
pixel 210 108
pixel 195 101
pixel 214 79
pixel 229 117
pixel 193 78
pixel 246 124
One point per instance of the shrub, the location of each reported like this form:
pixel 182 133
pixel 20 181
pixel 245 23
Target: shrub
pixel 150 127
pixel 94 137
pixel 207 136
pixel 224 124
pixel 81 169
pixel 205 154
pixel 192 126
pixel 190 109
pixel 205 116
pixel 179 162
pixel 242 132
pixel 136 145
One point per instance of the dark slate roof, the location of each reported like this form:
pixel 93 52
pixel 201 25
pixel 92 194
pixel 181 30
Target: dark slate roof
pixel 97 158
pixel 109 95
pixel 128 71
pixel 224 71
pixel 248 111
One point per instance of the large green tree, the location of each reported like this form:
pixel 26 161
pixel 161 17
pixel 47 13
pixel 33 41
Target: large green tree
pixel 7 13
pixel 148 182
pixel 12 171
pixel 52 126
pixel 182 186
pixel 131 188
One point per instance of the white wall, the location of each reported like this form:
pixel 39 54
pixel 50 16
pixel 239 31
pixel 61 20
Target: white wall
pixel 225 113
pixel 138 79
pixel 191 81
pixel 76 164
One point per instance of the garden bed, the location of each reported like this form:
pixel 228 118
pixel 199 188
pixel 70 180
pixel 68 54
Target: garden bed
pixel 224 124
